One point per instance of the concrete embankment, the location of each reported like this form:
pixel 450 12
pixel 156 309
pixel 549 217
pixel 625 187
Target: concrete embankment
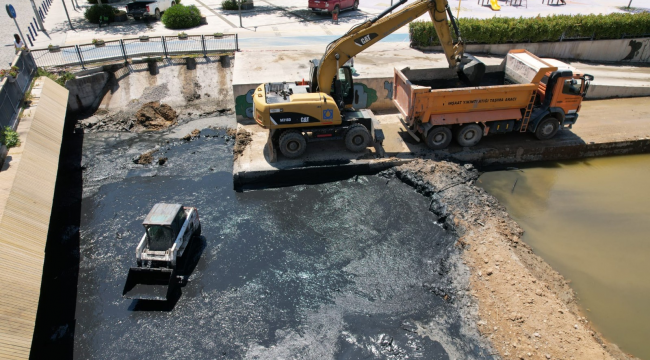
pixel 526 308
pixel 605 127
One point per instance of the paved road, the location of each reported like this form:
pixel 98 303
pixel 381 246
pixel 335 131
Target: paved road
pixel 24 14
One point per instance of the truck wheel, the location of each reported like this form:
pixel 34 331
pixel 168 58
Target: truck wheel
pixel 356 5
pixel 357 138
pixel 439 138
pixel 292 144
pixel 469 135
pixel 336 9
pixel 197 232
pixel 547 128
pixel 157 14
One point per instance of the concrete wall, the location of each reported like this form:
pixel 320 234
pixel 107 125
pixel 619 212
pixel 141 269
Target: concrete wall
pixel 86 91
pixel 621 50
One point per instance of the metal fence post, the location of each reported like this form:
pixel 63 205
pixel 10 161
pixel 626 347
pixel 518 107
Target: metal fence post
pixel 164 46
pixel 205 53
pixel 236 42
pixel 81 59
pixel 123 51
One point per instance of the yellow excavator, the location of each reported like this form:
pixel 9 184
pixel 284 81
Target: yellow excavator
pixel 321 109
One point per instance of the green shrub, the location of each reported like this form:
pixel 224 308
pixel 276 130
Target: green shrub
pixel 60 79
pixel 181 17
pixel 229 5
pixel 499 30
pixel 93 13
pixel 63 77
pixel 9 137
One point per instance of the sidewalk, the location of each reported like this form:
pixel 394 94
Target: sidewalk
pixel 273 20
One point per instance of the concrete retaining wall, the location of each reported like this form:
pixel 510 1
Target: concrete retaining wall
pixel 86 92
pixel 621 50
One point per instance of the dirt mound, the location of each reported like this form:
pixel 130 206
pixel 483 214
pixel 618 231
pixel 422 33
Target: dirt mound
pixel 155 116
pixel 194 134
pixel 242 139
pixel 145 158
pixel 526 308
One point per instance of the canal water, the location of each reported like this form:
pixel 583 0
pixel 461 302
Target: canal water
pixel 590 220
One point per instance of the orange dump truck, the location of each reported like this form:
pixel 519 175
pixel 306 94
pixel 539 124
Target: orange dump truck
pixel 525 94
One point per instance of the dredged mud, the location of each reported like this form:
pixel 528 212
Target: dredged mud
pixel 349 269
pixel 526 308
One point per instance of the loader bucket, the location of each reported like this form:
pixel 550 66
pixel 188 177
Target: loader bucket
pixel 471 70
pixel 150 284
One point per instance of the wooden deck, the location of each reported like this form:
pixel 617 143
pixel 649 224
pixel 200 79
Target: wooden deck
pixel 27 183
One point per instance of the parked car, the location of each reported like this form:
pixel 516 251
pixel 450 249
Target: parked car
pixel 142 9
pixel 329 6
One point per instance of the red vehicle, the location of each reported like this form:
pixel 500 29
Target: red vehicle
pixel 329 6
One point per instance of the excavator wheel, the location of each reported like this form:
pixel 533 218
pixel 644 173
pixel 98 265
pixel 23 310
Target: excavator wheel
pixel 357 138
pixel 439 138
pixel 292 144
pixel 469 135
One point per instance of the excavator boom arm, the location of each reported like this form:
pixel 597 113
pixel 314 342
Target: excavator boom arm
pixel 370 32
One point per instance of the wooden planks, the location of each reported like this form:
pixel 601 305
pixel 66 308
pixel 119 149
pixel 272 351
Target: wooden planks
pixel 25 221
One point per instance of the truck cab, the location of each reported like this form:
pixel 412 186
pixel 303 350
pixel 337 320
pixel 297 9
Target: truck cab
pixel 144 9
pixel 562 91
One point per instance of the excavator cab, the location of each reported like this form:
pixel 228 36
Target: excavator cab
pixel 342 86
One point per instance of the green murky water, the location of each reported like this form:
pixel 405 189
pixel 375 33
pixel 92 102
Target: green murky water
pixel 590 220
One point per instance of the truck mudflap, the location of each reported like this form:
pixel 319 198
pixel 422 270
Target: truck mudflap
pixel 150 284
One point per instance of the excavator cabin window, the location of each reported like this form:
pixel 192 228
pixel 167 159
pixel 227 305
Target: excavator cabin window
pixel 342 91
pixel 346 86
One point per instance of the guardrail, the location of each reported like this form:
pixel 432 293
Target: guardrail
pixel 124 49
pixel 12 93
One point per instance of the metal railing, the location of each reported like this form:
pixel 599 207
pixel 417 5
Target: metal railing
pixel 124 49
pixel 12 93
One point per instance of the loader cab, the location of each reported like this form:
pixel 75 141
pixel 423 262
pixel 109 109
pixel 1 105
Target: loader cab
pixel 162 225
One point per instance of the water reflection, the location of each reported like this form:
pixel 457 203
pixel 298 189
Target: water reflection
pixel 591 221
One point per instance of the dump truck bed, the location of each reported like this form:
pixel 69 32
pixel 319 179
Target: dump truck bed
pixel 452 102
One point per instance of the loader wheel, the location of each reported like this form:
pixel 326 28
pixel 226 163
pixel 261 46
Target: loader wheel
pixel 547 128
pixel 357 138
pixel 469 135
pixel 292 144
pixel 439 138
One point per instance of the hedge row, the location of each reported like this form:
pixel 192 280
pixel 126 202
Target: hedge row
pixel 498 30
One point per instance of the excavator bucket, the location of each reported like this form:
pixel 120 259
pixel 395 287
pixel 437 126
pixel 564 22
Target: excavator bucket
pixel 150 284
pixel 471 70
